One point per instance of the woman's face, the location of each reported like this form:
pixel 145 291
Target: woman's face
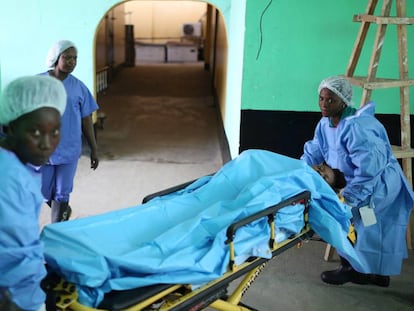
pixel 326 172
pixel 35 135
pixel 67 60
pixel 331 105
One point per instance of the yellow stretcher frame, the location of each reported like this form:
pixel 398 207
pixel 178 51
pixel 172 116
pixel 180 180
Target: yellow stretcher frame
pixel 214 293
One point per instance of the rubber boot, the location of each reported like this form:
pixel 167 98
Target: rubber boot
pixel 61 211
pixel 342 275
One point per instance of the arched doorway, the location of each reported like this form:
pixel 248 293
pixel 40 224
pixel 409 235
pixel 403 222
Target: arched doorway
pixel 228 57
pixel 177 148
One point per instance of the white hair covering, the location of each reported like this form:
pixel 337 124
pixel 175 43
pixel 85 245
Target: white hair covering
pixel 26 94
pixel 340 86
pixel 56 50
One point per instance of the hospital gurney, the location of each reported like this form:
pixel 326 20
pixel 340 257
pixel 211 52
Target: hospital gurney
pixel 213 294
pixel 196 240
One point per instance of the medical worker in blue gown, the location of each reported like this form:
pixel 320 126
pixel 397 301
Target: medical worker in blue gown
pixel 355 142
pixel 31 108
pixel 59 172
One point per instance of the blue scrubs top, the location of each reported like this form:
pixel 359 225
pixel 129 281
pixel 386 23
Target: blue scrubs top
pixel 22 263
pixel 80 103
pixel 360 148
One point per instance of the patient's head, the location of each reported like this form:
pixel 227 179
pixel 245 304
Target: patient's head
pixel 334 177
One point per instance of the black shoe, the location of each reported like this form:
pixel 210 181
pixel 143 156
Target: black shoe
pixel 61 211
pixel 360 278
pixel 339 276
pixel 66 214
pixel 381 280
pixel 370 279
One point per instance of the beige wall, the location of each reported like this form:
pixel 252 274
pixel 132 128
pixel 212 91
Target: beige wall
pixel 221 64
pixel 112 24
pixel 161 21
pixel 100 50
pixel 119 35
pixel 153 21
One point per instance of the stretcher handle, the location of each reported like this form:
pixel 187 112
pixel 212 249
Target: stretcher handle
pixel 231 230
pixel 169 190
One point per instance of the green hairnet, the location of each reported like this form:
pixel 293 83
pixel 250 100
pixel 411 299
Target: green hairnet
pixel 29 93
pixel 340 86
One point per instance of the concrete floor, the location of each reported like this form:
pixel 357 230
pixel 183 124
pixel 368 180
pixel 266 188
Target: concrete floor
pixel 161 130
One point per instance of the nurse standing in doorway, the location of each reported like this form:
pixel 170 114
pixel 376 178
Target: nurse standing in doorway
pixel 59 172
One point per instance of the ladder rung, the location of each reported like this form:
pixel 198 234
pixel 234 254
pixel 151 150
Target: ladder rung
pixel 402 153
pixel 383 19
pixel 379 83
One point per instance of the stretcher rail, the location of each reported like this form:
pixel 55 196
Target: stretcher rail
pixel 269 212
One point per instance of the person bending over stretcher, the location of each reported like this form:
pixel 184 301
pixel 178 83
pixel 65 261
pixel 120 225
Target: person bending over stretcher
pixel 380 196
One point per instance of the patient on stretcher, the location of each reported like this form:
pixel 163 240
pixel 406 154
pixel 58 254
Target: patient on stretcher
pixel 180 238
pixel 333 177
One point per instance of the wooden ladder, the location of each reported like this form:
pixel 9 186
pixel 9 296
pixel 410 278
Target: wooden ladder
pixel 371 81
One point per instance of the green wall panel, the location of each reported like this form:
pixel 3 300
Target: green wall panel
pixel 290 46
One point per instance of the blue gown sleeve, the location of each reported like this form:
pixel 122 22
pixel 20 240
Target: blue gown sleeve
pixel 22 262
pixel 312 149
pixel 368 152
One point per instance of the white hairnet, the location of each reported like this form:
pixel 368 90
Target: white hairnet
pixel 56 50
pixel 340 86
pixel 29 93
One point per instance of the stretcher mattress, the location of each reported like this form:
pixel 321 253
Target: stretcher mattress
pixel 180 238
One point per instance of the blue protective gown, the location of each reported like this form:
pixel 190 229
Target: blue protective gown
pixel 58 181
pixel 360 148
pixel 21 252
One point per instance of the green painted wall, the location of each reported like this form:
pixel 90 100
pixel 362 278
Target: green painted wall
pixel 306 41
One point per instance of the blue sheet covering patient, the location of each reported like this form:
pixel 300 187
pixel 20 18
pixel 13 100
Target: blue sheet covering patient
pixel 180 237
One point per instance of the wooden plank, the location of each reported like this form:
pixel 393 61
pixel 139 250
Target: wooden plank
pixel 329 252
pixel 359 42
pixel 379 83
pixel 405 103
pixel 401 153
pixel 383 20
pixel 376 53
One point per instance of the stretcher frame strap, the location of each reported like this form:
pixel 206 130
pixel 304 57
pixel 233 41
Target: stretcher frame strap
pixel 303 197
